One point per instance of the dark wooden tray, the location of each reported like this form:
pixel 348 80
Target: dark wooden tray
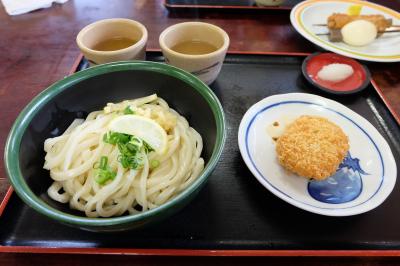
pixel 225 4
pixel 233 214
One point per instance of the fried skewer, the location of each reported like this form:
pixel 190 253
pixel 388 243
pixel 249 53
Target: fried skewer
pixel 326 25
pixel 337 21
pixel 388 31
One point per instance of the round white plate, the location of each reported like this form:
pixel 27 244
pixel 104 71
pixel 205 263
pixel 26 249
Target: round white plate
pixel 362 182
pixel 307 13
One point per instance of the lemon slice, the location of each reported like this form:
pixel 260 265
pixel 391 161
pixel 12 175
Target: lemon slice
pixel 354 10
pixel 142 127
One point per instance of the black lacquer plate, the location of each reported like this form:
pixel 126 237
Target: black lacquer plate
pixel 233 211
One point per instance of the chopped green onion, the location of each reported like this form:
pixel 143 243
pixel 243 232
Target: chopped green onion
pixel 147 147
pixel 104 172
pixel 136 141
pixel 103 162
pixel 104 175
pixel 131 149
pixel 115 137
pixel 128 111
pixel 154 164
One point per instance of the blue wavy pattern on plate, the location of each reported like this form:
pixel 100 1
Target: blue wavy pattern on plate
pixel 344 186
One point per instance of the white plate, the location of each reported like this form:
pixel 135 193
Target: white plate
pixel 366 183
pixel 384 49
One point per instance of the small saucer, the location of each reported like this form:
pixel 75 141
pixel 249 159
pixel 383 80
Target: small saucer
pixel 357 82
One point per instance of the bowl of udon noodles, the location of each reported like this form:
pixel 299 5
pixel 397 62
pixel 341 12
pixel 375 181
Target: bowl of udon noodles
pixel 116 146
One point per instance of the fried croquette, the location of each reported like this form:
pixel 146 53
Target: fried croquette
pixel 312 147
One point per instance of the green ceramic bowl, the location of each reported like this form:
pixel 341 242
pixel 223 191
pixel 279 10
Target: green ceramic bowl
pixel 50 113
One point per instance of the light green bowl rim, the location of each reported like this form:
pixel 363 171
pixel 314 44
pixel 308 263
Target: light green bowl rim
pixel 13 143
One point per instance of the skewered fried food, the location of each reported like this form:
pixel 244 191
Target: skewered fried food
pixel 356 30
pixel 339 20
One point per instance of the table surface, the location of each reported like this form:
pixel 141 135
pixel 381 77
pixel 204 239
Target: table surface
pixel 39 48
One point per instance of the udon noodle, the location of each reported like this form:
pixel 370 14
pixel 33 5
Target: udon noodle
pixel 89 171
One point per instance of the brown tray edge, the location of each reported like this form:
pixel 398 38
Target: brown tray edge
pixel 201 252
pixel 383 97
pixel 226 7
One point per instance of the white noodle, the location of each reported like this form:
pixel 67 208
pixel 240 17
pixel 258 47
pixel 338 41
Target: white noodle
pixel 71 156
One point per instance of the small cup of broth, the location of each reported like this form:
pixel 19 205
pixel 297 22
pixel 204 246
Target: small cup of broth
pixel 111 40
pixel 196 47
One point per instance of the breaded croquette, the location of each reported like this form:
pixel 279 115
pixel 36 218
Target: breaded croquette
pixel 312 147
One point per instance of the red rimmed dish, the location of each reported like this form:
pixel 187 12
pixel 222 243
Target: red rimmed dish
pixel 357 82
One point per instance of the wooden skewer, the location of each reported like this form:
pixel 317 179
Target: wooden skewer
pixel 326 25
pixel 388 31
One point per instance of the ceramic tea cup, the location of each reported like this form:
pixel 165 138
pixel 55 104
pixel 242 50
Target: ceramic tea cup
pixel 196 47
pixel 111 40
